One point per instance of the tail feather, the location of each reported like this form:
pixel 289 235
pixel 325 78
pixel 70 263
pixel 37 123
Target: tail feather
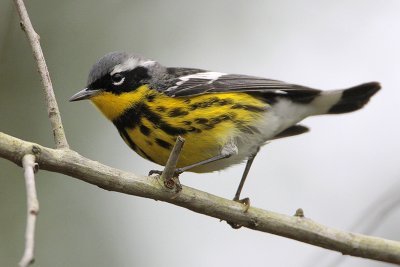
pixel 355 98
pixel 292 130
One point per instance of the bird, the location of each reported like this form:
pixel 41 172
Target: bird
pixel 224 118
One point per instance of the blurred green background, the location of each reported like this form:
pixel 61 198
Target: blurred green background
pixel 335 172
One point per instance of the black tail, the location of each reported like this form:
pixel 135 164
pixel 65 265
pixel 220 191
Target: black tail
pixel 355 98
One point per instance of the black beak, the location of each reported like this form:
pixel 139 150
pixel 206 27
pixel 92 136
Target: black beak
pixel 84 94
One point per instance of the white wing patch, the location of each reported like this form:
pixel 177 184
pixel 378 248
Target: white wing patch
pixel 211 76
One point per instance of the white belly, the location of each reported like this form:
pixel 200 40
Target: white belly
pixel 277 118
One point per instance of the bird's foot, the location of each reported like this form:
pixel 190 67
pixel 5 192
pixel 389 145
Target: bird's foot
pixel 176 173
pixel 245 201
pixel 246 204
pixel 151 172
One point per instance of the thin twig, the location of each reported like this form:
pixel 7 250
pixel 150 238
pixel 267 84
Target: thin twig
pixel 373 216
pixel 169 170
pixel 303 229
pixel 8 31
pixel 52 107
pixel 30 166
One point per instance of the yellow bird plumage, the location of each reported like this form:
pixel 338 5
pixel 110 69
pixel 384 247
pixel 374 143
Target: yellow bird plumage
pixel 206 129
pixel 225 118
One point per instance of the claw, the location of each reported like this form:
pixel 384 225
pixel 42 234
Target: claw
pixel 246 203
pixel 151 172
pixel 234 225
pixel 178 171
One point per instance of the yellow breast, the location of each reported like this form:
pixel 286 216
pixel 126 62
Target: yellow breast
pixel 149 121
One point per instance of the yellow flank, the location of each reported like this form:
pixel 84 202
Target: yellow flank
pixel 207 122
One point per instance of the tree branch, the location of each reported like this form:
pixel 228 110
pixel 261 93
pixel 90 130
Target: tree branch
pixel 167 176
pixel 52 107
pixel 70 163
pixel 368 221
pixel 30 167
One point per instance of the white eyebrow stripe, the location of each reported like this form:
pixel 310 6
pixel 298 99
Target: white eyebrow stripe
pixel 147 63
pixel 130 64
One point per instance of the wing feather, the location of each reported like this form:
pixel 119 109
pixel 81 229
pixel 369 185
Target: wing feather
pixel 190 82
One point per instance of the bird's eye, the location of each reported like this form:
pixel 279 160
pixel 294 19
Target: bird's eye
pixel 117 79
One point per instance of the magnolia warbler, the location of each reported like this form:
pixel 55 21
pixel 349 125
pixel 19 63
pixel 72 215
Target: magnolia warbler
pixel 225 118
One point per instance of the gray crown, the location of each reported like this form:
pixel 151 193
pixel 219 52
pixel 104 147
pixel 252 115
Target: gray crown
pixel 107 63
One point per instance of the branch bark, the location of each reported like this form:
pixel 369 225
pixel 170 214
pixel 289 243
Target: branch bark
pixel 167 175
pixel 30 167
pixel 303 229
pixel 52 106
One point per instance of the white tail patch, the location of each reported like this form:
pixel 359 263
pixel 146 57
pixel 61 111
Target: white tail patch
pixel 324 102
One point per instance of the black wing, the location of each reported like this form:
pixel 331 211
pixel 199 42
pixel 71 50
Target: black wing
pixel 190 82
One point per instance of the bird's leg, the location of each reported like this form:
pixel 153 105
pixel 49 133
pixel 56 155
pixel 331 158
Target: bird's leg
pixel 245 201
pixel 244 176
pixel 227 151
pixel 178 171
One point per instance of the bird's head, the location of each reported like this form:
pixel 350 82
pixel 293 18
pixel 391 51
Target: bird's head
pixel 113 82
pixel 116 73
